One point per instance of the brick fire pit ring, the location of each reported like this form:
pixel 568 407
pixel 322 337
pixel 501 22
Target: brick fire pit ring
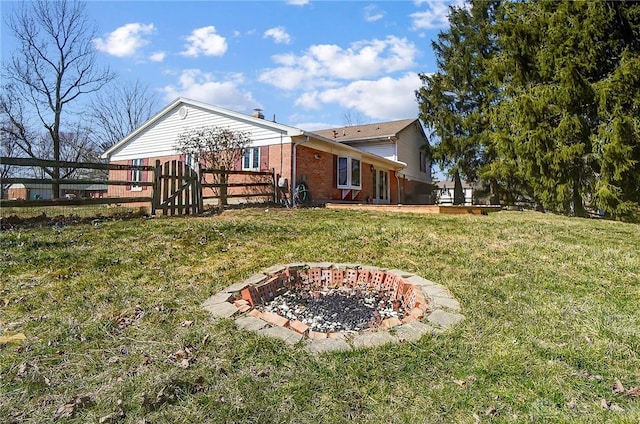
pixel 420 306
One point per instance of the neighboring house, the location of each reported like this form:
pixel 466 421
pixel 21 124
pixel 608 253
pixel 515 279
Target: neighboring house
pixel 333 170
pixel 445 192
pixel 38 191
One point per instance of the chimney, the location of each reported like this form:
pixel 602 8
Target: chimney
pixel 257 113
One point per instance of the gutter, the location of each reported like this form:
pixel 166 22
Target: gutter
pixel 358 140
pixel 395 164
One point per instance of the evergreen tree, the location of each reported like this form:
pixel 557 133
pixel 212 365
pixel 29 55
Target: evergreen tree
pixel 561 64
pixel 455 100
pixel 616 141
pixel 543 100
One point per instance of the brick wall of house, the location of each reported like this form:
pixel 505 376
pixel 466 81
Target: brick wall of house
pixel 280 158
pixel 318 170
pixel 129 191
pixel 270 160
pixel 397 190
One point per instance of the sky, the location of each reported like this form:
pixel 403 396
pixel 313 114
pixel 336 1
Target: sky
pixel 310 64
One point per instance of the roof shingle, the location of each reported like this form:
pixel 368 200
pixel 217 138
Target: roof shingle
pixel 368 131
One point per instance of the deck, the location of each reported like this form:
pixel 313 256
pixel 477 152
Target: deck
pixel 423 209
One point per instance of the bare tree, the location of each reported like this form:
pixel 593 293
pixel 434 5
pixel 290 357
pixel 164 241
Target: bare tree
pixel 120 109
pixel 8 148
pixel 53 66
pixel 352 118
pixel 15 126
pixel 215 147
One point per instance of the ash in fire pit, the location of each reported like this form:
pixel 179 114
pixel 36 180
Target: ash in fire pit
pixel 334 310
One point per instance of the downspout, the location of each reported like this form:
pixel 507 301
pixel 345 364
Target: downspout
pixel 395 150
pixel 294 165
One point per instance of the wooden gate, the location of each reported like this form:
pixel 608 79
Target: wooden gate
pixel 177 189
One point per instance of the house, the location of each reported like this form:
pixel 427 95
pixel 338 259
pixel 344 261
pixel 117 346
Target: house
pixel 384 165
pixel 444 192
pixel 402 141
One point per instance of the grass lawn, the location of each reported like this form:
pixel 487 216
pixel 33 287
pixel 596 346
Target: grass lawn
pixel 114 329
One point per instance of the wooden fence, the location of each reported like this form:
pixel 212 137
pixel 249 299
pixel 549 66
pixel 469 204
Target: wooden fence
pixel 222 188
pixel 175 188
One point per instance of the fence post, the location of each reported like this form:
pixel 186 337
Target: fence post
pixel 275 185
pixel 223 186
pixel 157 175
pixel 199 189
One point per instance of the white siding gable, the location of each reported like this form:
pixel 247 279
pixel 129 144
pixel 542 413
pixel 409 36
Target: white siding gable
pixel 386 150
pixel 409 146
pixel 160 137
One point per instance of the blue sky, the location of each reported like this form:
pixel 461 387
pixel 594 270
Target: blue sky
pixel 309 63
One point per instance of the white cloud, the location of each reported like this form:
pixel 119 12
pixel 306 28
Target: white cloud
pixel 309 100
pixel 372 14
pixel 205 41
pixel 284 78
pixel 434 17
pixel 313 126
pixel 202 86
pixel 322 64
pixel 386 98
pixel 125 41
pixel 157 56
pixel 297 2
pixel 279 35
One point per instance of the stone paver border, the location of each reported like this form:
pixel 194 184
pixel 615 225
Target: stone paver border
pixel 440 312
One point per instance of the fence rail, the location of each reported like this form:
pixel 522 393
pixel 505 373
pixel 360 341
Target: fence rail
pixel 174 187
pixel 220 189
pixel 44 163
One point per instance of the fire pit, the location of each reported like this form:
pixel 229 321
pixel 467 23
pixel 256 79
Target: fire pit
pixel 337 306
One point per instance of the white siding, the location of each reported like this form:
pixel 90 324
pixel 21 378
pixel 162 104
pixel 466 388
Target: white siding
pixel 160 138
pixel 385 150
pixel 409 144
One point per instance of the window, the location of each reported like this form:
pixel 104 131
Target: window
pixel 190 161
pixel 251 159
pixel 423 161
pixel 136 175
pixel 349 172
pixel 355 172
pixel 343 175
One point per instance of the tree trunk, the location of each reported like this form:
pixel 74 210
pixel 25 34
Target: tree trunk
pixel 494 195
pixel 576 199
pixel 458 193
pixel 223 187
pixel 55 187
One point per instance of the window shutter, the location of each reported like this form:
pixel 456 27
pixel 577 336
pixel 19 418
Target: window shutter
pixel 264 158
pixel 129 173
pixel 237 164
pixel 335 171
pixel 143 174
